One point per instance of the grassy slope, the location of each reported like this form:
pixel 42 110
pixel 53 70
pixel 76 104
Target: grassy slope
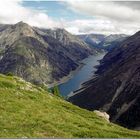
pixel 28 111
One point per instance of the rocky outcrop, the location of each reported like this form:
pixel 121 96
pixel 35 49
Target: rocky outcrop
pixel 102 114
pixel 116 90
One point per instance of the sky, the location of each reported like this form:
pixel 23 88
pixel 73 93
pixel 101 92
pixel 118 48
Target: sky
pixel 76 16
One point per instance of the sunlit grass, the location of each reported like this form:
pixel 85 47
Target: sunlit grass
pixel 27 111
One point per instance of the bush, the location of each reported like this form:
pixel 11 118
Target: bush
pixel 10 74
pixel 56 91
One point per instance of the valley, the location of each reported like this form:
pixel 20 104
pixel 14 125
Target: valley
pixel 40 56
pixel 69 69
pixel 81 75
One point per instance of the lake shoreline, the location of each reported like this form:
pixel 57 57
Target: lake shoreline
pixel 87 65
pixel 82 74
pixel 68 77
pixel 71 74
pixel 80 88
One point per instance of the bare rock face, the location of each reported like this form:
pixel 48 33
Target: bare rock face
pixel 116 90
pixel 37 55
pixel 102 114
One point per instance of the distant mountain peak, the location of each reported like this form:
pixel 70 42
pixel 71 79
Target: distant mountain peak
pixel 21 22
pixel 11 33
pixel 23 28
pixel 62 30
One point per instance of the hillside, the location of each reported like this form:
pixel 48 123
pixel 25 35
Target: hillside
pixel 116 90
pixel 37 56
pixel 27 111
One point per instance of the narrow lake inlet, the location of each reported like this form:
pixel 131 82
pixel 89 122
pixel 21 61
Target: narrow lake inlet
pixel 82 75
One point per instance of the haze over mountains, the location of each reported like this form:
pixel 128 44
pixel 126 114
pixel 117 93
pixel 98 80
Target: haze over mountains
pixel 106 42
pixel 40 55
pixel 116 88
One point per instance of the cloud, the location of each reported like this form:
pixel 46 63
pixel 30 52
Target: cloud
pixel 106 17
pixel 130 4
pixel 101 26
pixel 112 10
pixel 12 12
pixel 90 26
pixel 109 17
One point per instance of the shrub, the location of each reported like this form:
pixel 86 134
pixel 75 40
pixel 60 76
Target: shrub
pixel 9 74
pixel 56 91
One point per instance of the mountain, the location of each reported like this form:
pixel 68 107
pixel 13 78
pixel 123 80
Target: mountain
pixel 28 111
pixel 102 41
pixel 71 42
pixel 39 55
pixel 92 39
pixel 116 89
pixel 112 41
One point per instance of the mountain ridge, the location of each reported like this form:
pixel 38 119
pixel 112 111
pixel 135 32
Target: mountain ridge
pixel 52 60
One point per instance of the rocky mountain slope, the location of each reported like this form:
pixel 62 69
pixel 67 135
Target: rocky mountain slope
pixel 28 111
pixel 116 89
pixel 39 55
pixel 102 41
